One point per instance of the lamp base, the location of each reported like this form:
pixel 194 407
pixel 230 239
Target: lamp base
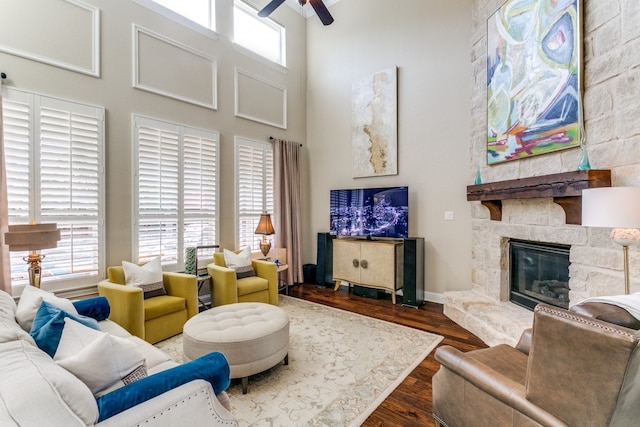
pixel 265 247
pixel 35 271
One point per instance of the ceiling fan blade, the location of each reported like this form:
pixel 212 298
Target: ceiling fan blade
pixel 321 11
pixel 270 7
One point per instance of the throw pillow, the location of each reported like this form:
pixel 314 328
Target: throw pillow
pixel 148 277
pixel 212 367
pixel 240 262
pixel 30 302
pixel 48 325
pixel 97 307
pixel 102 361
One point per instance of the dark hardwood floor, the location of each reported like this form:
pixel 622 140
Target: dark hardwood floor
pixel 410 403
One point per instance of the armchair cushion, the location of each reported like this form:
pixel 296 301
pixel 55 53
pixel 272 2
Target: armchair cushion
pixel 148 277
pixel 240 262
pixel 49 323
pixel 162 305
pixel 212 367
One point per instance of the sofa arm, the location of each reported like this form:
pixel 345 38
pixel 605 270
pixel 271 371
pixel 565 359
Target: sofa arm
pixel 224 289
pixel 183 286
pixel 524 344
pixel 126 304
pixel 192 404
pixel 269 271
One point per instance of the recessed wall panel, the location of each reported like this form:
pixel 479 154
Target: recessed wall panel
pixel 63 33
pixel 260 100
pixel 169 68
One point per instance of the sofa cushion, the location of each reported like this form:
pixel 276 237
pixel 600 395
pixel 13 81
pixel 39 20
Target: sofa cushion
pixel 148 277
pixel 49 323
pixel 163 305
pixel 212 367
pixel 103 362
pixel 97 307
pixel 35 389
pixel 30 303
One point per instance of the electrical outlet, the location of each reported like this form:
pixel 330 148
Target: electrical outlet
pixel 448 215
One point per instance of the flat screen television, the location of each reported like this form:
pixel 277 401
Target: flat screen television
pixel 370 212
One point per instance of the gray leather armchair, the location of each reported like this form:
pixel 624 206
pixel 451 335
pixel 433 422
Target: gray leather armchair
pixel 570 370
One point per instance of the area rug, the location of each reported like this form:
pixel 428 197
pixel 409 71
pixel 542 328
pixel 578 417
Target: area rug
pixel 341 367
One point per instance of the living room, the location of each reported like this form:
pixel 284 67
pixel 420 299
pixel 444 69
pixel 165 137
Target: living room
pixel 439 49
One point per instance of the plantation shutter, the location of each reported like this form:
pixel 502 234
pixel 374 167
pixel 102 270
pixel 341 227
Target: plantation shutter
pixel 254 178
pixel 55 174
pixel 176 190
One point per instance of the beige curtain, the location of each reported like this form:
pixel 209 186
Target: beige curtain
pixel 288 199
pixel 5 266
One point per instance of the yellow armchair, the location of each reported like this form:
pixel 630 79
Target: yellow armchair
pixel 227 289
pixel 153 319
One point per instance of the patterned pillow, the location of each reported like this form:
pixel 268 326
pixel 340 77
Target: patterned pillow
pixel 242 272
pixel 102 361
pixel 148 277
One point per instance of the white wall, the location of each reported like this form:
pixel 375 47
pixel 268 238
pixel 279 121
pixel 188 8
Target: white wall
pixel 430 43
pixel 113 89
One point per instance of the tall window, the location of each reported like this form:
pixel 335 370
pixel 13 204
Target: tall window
pixel 176 190
pixel 199 11
pixel 254 187
pixel 54 161
pixel 260 35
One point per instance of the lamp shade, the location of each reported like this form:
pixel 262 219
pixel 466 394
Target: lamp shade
pixel 265 226
pixel 31 237
pixel 614 207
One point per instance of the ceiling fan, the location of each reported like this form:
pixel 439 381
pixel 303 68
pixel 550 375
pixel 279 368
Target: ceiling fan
pixel 318 6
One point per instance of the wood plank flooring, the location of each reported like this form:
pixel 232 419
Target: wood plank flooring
pixel 411 403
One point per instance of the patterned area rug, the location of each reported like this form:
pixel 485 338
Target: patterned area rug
pixel 341 367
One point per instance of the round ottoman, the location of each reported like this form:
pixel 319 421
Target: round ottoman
pixel 253 337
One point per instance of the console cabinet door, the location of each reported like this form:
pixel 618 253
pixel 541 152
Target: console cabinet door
pixel 378 265
pixel 344 252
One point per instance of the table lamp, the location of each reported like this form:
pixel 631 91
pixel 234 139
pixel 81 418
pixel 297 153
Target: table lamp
pixel 32 237
pixel 617 208
pixel 265 227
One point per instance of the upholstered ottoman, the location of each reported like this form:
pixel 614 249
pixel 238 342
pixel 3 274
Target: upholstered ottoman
pixel 253 337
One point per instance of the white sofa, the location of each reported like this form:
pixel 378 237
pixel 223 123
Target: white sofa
pixel 35 391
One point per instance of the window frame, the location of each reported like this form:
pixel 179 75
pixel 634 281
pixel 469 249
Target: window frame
pixel 181 217
pixel 268 200
pixel 37 104
pixel 175 16
pixel 252 12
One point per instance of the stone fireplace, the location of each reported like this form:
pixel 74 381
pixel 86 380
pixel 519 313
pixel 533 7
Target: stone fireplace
pixel 611 106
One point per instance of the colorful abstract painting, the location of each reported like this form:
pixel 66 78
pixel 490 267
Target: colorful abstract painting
pixel 533 78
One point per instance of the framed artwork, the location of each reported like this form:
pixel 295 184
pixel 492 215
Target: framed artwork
pixel 374 128
pixel 534 78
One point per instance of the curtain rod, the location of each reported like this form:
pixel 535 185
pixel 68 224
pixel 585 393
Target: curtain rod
pixel 272 139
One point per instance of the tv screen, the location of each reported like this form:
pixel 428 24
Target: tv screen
pixel 370 212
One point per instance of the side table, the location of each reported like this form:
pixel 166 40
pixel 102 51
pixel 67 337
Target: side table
pixel 202 279
pixel 282 283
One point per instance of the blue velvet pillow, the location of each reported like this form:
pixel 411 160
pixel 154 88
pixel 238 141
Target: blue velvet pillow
pixel 48 325
pixel 96 308
pixel 212 367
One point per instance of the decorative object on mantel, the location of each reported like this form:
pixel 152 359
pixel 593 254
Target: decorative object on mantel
pixel 478 179
pixel 565 188
pixel 617 207
pixel 534 77
pixel 265 227
pixel 374 127
pixel 33 237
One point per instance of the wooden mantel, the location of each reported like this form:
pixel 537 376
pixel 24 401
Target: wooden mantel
pixel 565 188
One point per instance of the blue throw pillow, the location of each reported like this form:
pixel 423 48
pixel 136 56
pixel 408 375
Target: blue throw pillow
pixel 48 325
pixel 212 367
pixel 97 308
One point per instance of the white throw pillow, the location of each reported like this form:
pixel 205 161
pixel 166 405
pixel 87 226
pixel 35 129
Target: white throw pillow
pixel 30 301
pixel 102 361
pixel 241 259
pixel 148 277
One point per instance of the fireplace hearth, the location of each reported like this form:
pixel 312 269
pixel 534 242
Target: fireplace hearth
pixel 539 272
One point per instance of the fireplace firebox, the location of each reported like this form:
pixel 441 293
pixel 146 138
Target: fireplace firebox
pixel 539 272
